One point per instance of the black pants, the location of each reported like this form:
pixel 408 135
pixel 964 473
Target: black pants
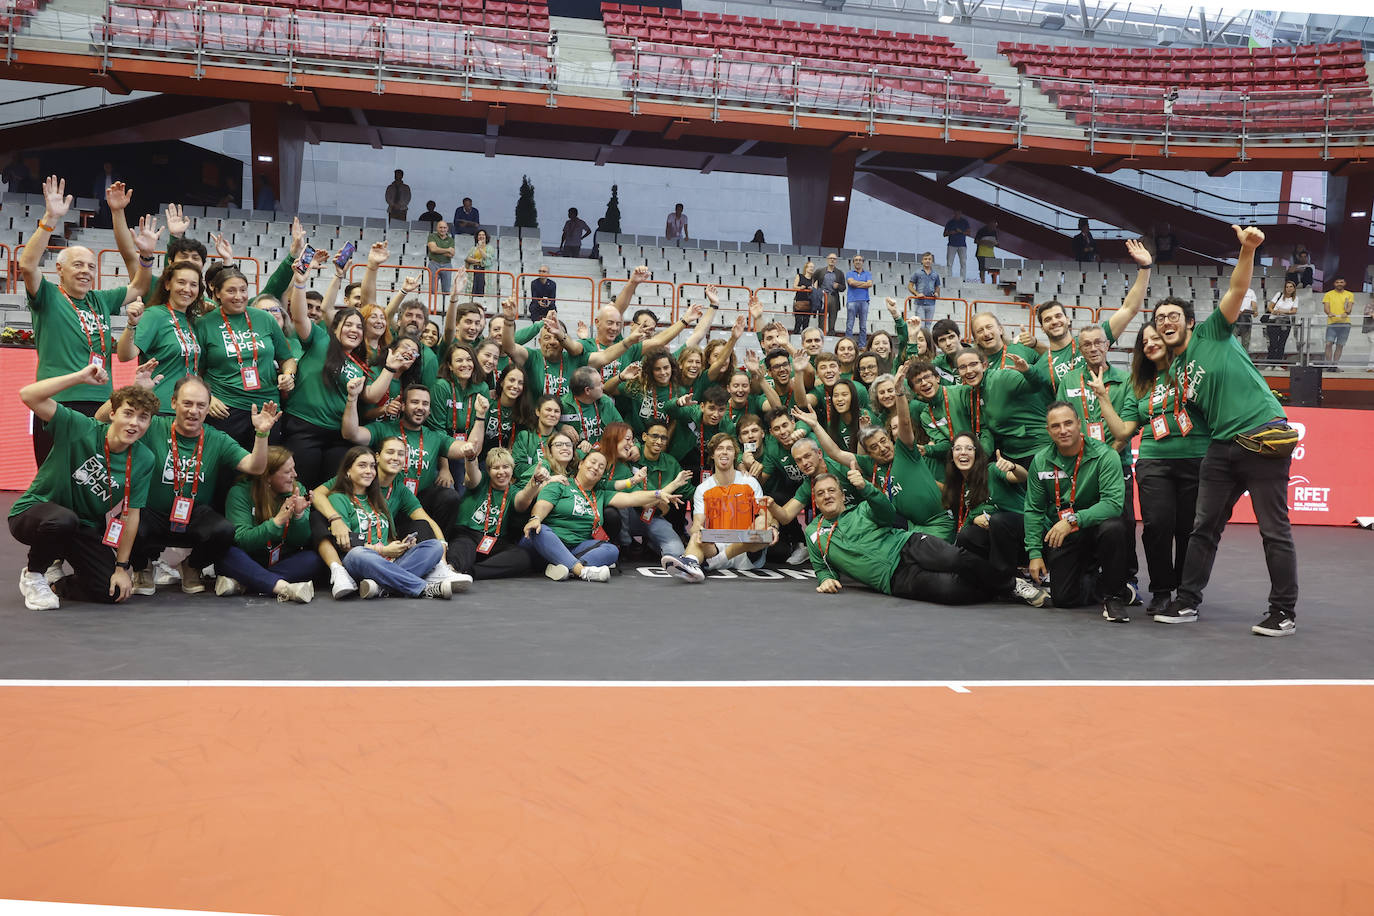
pixel 1090 565
pixel 42 439
pixel 1278 338
pixel 789 536
pixel 1228 471
pixel 318 451
pixel 1002 544
pixel 505 561
pixel 801 314
pixel 54 533
pixel 239 426
pixel 1128 519
pixel 441 504
pixel 930 569
pixel 1168 502
pixel 207 533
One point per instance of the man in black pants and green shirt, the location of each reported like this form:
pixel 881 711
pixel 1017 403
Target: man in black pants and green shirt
pixel 1251 446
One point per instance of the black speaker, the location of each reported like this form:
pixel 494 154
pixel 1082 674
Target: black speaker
pixel 1305 386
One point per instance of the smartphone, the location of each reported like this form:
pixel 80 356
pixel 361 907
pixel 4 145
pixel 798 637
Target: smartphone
pixel 307 256
pixel 345 255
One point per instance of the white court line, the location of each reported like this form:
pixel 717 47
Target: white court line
pixel 956 686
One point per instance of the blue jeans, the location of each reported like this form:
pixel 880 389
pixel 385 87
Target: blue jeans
pixel 301 566
pixel 659 533
pixel 404 575
pixel 926 309
pixel 552 549
pixel 859 308
pixel 445 275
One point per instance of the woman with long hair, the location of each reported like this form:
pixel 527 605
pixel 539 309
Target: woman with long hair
pixel 272 552
pixel 880 345
pixel 375 557
pixel 455 393
pixel 479 260
pixel 489 366
pixel 530 443
pixel 376 330
pixel 1279 316
pixel 166 331
pixel 882 398
pixel 566 526
pixel 720 363
pixel 657 385
pixel 245 356
pixel 843 415
pixel 804 286
pixel 1173 440
pixel 509 412
pixel 847 352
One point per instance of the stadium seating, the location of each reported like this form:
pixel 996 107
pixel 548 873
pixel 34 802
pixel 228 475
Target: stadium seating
pixel 1203 90
pixel 819 68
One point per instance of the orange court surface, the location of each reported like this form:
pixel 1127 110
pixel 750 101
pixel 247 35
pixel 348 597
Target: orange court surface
pixel 712 798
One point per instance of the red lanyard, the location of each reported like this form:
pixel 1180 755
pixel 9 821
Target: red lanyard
pixel 99 325
pixel 653 400
pixel 185 340
pixel 701 448
pixel 177 482
pixel 361 365
pixel 497 408
pixel 976 397
pixel 596 514
pixel 829 405
pixel 583 421
pixel 128 470
pixel 825 551
pixel 421 466
pixel 1073 355
pixel 486 521
pixel 549 377
pixel 887 481
pixel 1083 398
pixel 238 351
pixel 1073 483
pixel 963 512
pixel 367 531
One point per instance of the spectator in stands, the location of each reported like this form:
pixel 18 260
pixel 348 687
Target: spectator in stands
pixel 543 295
pixel 71 319
pixel 84 503
pixel 758 237
pixel 1084 245
pixel 676 227
pixel 479 261
pixel 805 286
pixel 1074 529
pixel 398 197
pixel 265 199
pixel 985 250
pixel 1166 244
pixel 1279 316
pixel 431 215
pixel 1245 322
pixel 1339 305
pixel 829 287
pixel 439 255
pixel 956 235
pixel 1300 267
pixel 466 219
pixel 574 231
pixel 925 284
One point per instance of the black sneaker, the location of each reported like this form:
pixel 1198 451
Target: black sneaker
pixel 1177 611
pixel 1276 623
pixel 1114 611
pixel 1130 595
pixel 1158 602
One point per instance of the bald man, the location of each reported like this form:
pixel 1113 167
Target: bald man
pixel 71 318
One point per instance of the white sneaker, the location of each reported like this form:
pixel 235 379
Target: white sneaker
pixel 1029 592
pixel 55 572
pixel 225 586
pixel 37 592
pixel 443 572
pixel 595 574
pixel 164 574
pixel 341 583
pixel 556 571
pixel 299 592
pixel 369 589
pixel 798 556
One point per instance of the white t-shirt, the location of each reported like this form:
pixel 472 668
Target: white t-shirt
pixel 1248 304
pixel 677 225
pixel 1284 306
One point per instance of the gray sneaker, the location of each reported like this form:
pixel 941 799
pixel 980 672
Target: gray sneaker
pixel 143 582
pixel 442 590
pixel 191 581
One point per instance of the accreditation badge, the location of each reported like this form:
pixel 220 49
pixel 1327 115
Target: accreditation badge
pixel 274 555
pixel 250 378
pixel 1160 427
pixel 98 360
pixel 411 484
pixel 181 512
pixel 600 534
pixel 646 514
pixel 1095 430
pixel 112 532
pixel 1185 422
pixel 485 545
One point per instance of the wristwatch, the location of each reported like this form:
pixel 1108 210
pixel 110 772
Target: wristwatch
pixel 1072 519
pixel 124 565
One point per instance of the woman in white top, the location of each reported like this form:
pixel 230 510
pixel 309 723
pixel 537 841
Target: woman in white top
pixel 1280 314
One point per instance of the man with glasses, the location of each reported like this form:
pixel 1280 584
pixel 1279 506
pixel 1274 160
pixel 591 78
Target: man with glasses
pixel 1251 447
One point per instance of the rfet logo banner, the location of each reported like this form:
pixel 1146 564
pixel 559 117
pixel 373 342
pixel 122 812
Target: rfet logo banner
pixel 1327 485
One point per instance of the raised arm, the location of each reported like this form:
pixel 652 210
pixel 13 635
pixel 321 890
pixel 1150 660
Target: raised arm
pixel 348 427
pixel 1135 296
pixel 1122 431
pixel 622 299
pixel 117 198
pixel 299 313
pixel 906 433
pixel 56 202
pixel 1250 238
pixel 38 396
pixel 608 355
pixel 376 257
pixel 408 286
pixel 145 240
pixel 828 445
pixel 518 354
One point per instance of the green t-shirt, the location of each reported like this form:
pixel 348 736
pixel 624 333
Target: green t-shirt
pixel 500 429
pixel 1163 402
pixel 362 518
pixel 169 337
pixel 691 435
pixel 400 502
pixel 527 451
pixel 74 474
pixel 441 260
pixel 451 410
pixel 1055 364
pixel 999 360
pixel 1012 407
pixel 550 378
pixel 784 477
pixel 911 487
pixel 862 543
pixel 660 472
pixel 633 354
pixel 589 420
pixel 574 516
pixel 1073 389
pixel 423 449
pixel 1096 493
pixel 231 343
pixel 487 511
pixel 1216 374
pixel 852 497
pixel 318 400
pixel 650 405
pixel 257 538
pixel 67 334
pixel 220 453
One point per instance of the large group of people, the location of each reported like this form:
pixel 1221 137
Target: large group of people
pixel 298 439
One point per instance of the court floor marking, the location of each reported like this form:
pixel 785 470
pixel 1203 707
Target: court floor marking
pixel 961 686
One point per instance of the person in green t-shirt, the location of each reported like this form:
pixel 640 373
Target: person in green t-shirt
pixel 1214 373
pixel 71 319
pixel 1074 529
pixel 85 502
pixel 551 364
pixel 272 553
pixel 166 331
pixel 986 330
pixel 695 424
pixel 483 545
pixel 1002 405
pixel 566 524
pixel 454 396
pixel 245 356
pixel 586 408
pixel 864 542
pixel 1173 439
pixel 948 343
pixel 654 523
pixel 439 247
